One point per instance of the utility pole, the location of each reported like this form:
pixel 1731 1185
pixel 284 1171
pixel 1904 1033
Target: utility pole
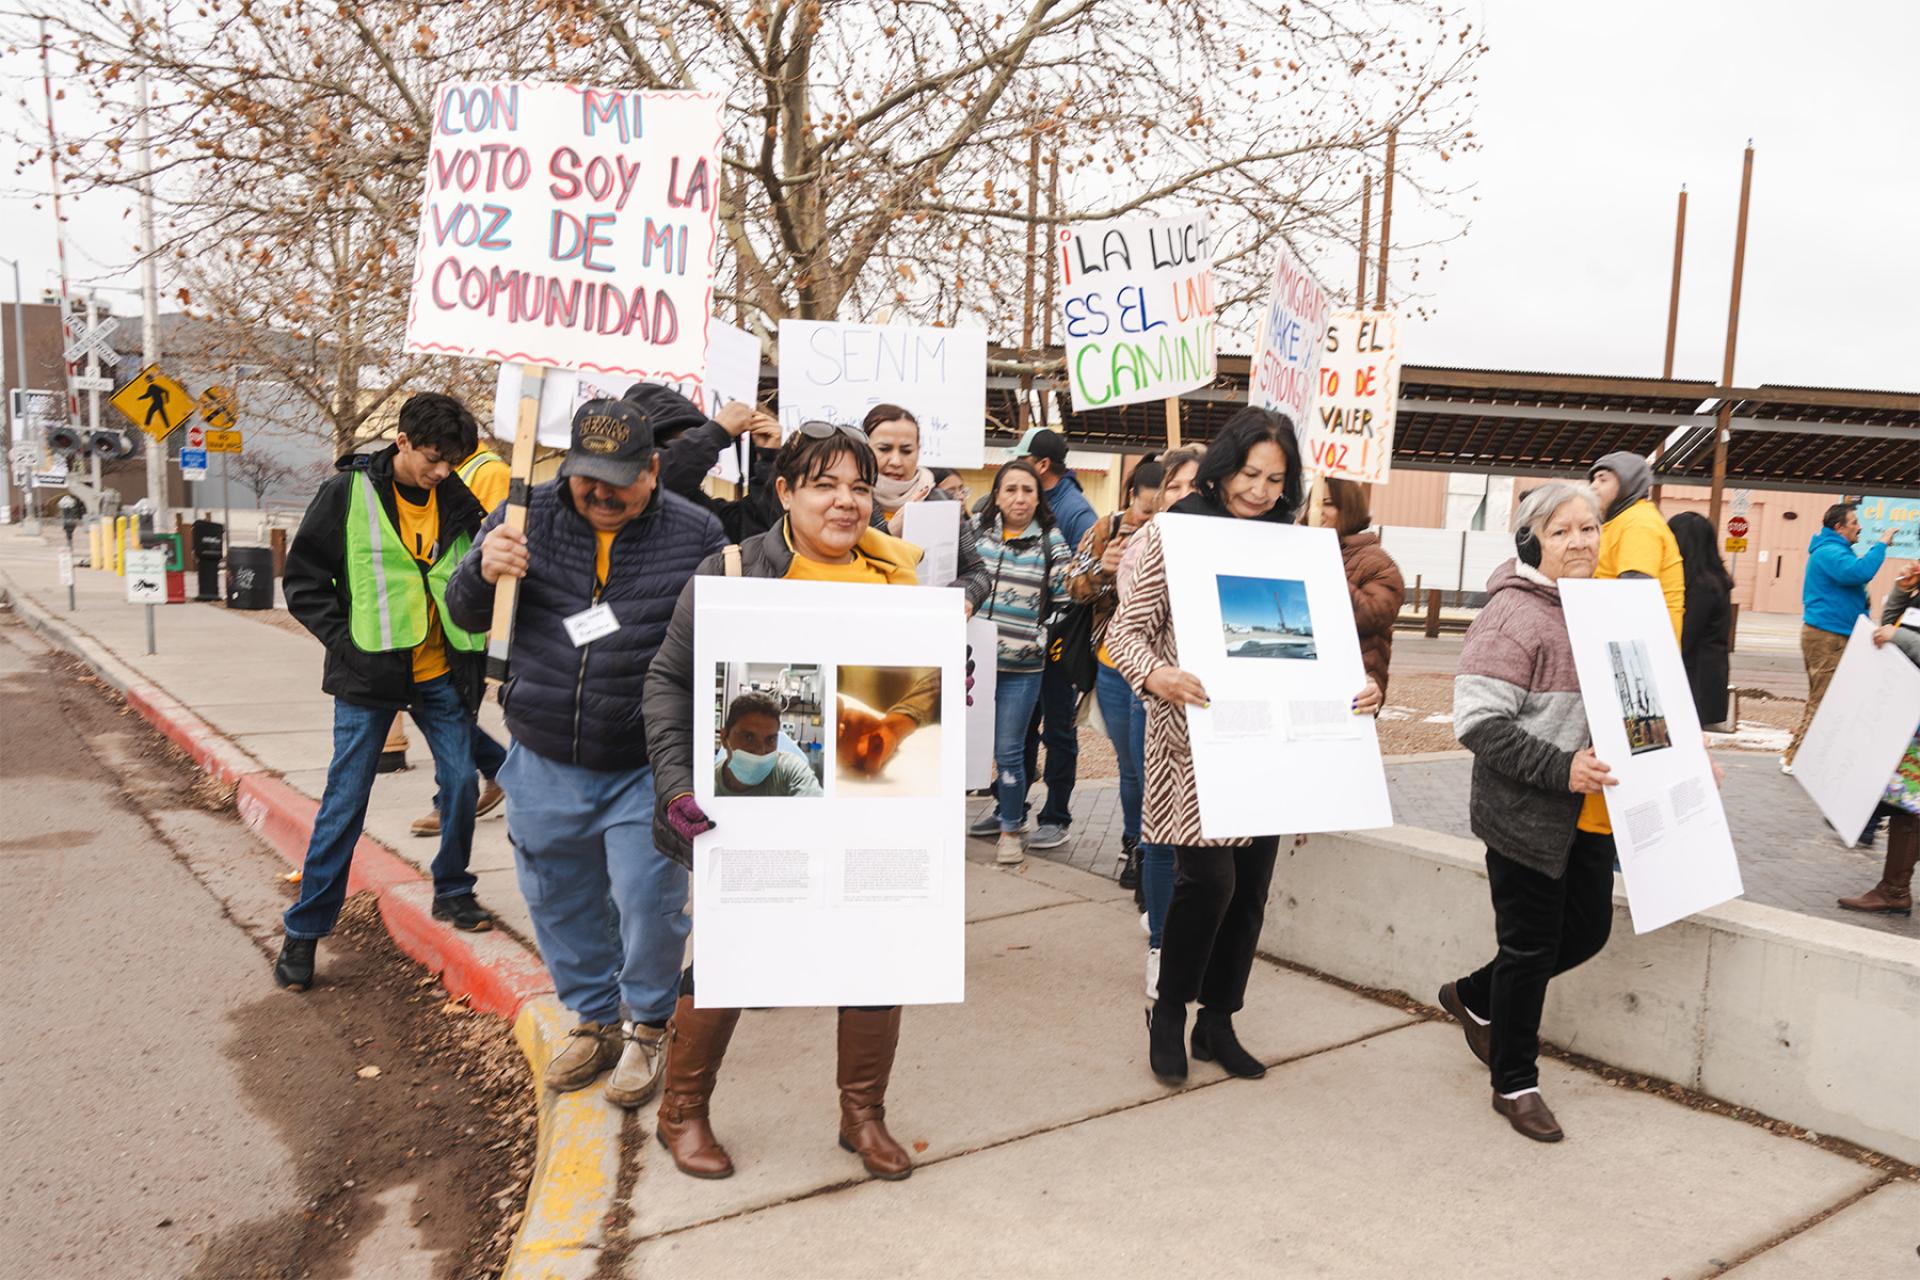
pixel 1366 221
pixel 1722 424
pixel 156 450
pixel 13 417
pixel 1386 223
pixel 1673 315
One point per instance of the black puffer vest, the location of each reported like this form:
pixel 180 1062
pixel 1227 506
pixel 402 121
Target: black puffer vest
pixel 583 705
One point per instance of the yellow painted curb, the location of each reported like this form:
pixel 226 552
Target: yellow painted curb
pixel 576 1165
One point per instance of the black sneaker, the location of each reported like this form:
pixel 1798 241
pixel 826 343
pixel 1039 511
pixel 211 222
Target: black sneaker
pixel 464 912
pixel 294 969
pixel 1129 876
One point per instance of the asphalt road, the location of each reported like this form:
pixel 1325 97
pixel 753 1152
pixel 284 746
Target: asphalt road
pixel 158 1114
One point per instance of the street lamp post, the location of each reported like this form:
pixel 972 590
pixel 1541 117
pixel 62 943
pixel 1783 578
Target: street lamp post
pixel 20 363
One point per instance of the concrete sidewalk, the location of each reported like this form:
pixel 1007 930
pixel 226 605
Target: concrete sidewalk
pixel 1047 1148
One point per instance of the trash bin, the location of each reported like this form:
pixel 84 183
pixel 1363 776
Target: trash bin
pixel 250 578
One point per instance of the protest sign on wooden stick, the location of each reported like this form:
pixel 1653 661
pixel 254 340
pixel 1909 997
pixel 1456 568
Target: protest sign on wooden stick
pixel 1137 302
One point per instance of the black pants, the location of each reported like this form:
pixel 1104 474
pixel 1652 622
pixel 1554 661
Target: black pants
pixel 1054 722
pixel 1213 926
pixel 1545 927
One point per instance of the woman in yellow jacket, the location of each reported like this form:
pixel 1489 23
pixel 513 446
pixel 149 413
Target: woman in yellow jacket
pixel 1635 541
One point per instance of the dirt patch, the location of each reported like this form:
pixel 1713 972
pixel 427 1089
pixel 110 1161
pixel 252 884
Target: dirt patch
pixel 404 1089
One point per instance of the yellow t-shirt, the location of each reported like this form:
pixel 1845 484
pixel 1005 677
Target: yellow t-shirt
pixel 602 558
pixel 489 483
pixel 1593 816
pixel 420 530
pixel 860 569
pixel 877 557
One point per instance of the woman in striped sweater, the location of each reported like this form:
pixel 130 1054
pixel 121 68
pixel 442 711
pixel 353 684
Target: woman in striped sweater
pixel 1026 559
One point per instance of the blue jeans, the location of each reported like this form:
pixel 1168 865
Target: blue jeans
pixel 1015 694
pixel 1052 722
pixel 609 912
pixel 1120 709
pixel 358 735
pixel 488 755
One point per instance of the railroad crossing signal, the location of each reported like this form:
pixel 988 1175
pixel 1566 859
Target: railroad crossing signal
pixel 219 408
pixel 154 402
pixel 96 342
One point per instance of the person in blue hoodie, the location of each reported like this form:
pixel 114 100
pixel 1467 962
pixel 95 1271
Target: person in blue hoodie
pixel 1833 594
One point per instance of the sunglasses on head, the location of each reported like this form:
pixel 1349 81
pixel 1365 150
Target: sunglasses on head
pixel 814 429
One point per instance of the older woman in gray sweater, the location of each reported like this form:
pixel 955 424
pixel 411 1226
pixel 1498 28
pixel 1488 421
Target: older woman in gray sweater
pixel 1517 707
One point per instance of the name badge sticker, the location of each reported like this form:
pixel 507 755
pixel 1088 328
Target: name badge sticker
pixel 590 624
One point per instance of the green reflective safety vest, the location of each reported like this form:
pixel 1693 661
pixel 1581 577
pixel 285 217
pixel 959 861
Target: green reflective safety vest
pixel 471 467
pixel 387 587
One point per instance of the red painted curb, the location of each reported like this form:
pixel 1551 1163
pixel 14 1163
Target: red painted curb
pixel 189 732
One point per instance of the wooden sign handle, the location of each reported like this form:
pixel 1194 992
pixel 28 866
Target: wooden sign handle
pixel 1173 423
pixel 506 593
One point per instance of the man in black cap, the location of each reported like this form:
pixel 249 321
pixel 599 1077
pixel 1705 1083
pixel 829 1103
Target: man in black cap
pixel 601 562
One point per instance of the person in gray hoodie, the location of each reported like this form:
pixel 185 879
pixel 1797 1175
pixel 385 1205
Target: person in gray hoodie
pixel 1517 707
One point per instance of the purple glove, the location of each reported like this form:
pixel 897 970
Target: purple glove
pixel 684 816
pixel 969 675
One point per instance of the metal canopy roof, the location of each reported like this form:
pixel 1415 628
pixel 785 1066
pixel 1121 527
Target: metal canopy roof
pixel 1525 423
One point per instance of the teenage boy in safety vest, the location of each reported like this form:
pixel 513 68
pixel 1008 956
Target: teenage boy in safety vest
pixel 487 476
pixel 367 574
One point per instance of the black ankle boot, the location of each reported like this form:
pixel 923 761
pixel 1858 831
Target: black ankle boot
pixel 1129 863
pixel 294 969
pixel 1214 1041
pixel 1166 1052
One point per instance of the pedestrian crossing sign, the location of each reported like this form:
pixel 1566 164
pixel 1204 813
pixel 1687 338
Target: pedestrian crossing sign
pixel 154 402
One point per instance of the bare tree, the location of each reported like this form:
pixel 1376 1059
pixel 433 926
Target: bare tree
pixel 908 155
pixel 261 472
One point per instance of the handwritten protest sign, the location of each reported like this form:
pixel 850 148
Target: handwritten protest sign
pixel 1137 301
pixel 1286 357
pixel 835 372
pixel 732 373
pixel 1351 433
pixel 568 226
pixel 1902 515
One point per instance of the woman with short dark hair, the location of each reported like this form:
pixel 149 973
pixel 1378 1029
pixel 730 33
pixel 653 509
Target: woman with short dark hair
pixel 824 477
pixel 1250 472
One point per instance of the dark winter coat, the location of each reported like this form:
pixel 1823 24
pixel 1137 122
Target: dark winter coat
pixel 584 705
pixel 1378 591
pixel 315 583
pixel 685 462
pixel 1705 643
pixel 1517 707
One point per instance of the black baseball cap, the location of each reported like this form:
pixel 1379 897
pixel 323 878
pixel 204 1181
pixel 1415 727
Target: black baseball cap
pixel 1042 443
pixel 612 443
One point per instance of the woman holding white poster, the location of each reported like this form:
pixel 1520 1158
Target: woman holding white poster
pixel 1536 787
pixel 824 477
pixel 1250 472
pixel 894 434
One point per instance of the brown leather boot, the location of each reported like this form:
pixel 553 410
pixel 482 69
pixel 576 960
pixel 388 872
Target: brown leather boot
pixel 1893 896
pixel 696 1042
pixel 867 1041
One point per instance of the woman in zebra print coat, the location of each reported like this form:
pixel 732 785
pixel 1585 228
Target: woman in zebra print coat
pixel 1250 472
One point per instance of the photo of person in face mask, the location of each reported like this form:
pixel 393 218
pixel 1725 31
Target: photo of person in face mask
pixel 754 764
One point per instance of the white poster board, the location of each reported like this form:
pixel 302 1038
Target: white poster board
pixel 569 226
pixel 1350 434
pixel 855 896
pixel 983 650
pixel 1671 832
pixel 1136 299
pixel 1287 350
pixel 1262 615
pixel 934 527
pixel 835 372
pixel 732 373
pixel 1861 730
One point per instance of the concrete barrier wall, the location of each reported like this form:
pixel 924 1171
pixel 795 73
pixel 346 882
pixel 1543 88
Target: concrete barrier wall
pixel 1806 1020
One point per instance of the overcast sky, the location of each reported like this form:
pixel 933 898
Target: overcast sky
pixel 1590 119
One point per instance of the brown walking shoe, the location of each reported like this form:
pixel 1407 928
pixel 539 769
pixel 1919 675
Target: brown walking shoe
pixel 591 1048
pixel 1479 1035
pixel 490 797
pixel 642 1059
pixel 697 1042
pixel 1529 1116
pixel 868 1039
pixel 1893 896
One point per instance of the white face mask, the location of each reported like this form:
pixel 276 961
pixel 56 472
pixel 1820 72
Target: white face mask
pixel 749 770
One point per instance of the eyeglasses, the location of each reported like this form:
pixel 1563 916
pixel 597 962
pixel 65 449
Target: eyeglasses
pixel 814 429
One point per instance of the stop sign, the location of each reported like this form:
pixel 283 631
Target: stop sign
pixel 196 438
pixel 1737 527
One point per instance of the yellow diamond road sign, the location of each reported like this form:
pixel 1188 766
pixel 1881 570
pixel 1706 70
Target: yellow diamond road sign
pixel 223 442
pixel 218 408
pixel 154 402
